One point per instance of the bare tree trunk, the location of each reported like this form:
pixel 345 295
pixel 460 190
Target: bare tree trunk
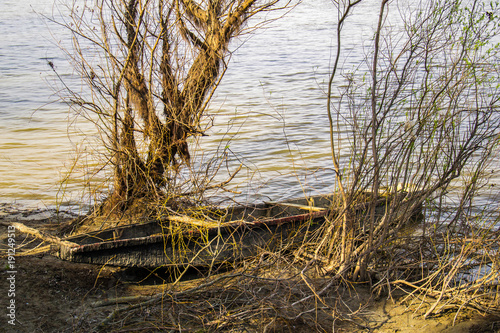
pixel 161 62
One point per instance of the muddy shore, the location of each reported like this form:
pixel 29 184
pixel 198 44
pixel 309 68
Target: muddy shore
pixel 41 293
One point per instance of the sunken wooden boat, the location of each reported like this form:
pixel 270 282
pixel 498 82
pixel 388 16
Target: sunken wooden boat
pixel 224 235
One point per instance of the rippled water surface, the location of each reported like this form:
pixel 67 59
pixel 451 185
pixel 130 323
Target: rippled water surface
pixel 274 83
pixel 270 109
pixel 33 140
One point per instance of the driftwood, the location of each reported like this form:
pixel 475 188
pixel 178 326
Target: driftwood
pixel 193 221
pixel 39 234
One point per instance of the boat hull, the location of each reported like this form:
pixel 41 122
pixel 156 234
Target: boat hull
pixel 197 247
pixel 235 233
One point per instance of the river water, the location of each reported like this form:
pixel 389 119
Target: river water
pixel 273 86
pixel 270 109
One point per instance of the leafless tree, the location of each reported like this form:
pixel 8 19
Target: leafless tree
pixel 425 120
pixel 152 67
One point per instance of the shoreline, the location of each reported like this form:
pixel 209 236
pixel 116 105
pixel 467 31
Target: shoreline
pixel 53 295
pixel 22 212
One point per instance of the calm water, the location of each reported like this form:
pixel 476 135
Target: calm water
pixel 33 142
pixel 273 87
pixel 270 109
